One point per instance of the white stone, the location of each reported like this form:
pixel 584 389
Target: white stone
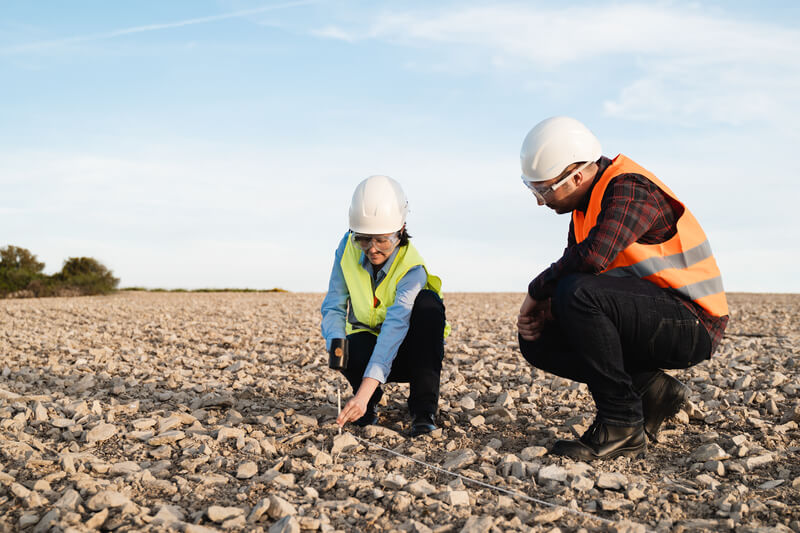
pixel 278 507
pixel 457 497
pixel 124 467
pixel 168 437
pixel 101 432
pixel 343 443
pixel 219 514
pixel 467 403
pixel 107 498
pixel 709 452
pixel 754 462
pixel 395 481
pixel 532 452
pixel 551 473
pixel 611 480
pixel 247 470
pixel 460 459
pixel 69 500
pixel 287 524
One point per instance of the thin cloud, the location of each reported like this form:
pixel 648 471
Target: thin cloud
pixel 551 37
pixel 150 27
pixel 682 64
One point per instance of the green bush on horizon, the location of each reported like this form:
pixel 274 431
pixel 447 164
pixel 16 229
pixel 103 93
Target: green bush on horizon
pixel 21 276
pixel 88 275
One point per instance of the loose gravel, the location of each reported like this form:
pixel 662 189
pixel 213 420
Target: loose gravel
pixel 215 412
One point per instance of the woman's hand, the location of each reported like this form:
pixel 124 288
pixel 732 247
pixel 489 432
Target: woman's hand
pixel 357 405
pixel 353 410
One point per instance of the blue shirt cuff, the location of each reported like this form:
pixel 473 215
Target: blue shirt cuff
pixel 376 371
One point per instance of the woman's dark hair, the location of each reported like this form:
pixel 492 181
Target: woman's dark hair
pixel 404 236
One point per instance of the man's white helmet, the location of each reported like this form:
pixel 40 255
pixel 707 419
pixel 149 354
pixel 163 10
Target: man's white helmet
pixel 553 144
pixel 379 206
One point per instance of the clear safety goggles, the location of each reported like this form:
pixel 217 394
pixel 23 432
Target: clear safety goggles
pixel 380 242
pixel 541 192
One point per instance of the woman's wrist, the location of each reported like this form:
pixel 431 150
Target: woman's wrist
pixel 367 388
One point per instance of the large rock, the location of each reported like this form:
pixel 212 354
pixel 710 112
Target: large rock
pixel 287 524
pixel 478 524
pixel 552 473
pixel 219 514
pixel 107 498
pixel 709 452
pixel 460 459
pixel 611 480
pixel 100 433
pixel 343 443
pixel 279 508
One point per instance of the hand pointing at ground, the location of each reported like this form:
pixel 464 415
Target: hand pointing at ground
pixel 357 405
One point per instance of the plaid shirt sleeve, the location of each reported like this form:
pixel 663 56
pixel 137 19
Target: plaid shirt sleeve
pixel 633 209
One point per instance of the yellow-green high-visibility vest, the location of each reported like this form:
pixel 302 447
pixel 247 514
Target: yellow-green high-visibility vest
pixel 368 307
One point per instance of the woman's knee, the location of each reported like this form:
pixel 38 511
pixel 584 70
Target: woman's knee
pixel 428 308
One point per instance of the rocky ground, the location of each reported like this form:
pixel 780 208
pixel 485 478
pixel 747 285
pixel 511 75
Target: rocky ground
pixel 200 412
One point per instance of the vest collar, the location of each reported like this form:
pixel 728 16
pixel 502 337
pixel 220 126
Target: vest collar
pixel 602 164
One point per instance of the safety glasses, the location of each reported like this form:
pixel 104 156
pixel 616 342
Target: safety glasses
pixel 541 193
pixel 381 242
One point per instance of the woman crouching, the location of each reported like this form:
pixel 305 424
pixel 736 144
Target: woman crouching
pixel 383 318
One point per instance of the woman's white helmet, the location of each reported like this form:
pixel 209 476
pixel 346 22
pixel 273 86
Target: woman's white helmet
pixel 379 206
pixel 553 144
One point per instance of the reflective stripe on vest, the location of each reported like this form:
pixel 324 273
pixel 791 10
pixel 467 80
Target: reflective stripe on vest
pixel 683 263
pixel 368 308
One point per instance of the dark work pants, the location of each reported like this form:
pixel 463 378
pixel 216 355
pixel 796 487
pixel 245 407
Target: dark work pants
pixel 614 334
pixel 418 361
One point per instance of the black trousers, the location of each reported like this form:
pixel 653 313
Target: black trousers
pixel 614 334
pixel 418 361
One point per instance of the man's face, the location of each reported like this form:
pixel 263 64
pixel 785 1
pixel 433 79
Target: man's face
pixel 563 199
pixel 561 194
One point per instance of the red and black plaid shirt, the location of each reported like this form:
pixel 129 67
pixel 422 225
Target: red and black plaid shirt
pixel 633 209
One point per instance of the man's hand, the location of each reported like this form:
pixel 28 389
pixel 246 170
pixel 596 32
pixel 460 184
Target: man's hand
pixel 533 315
pixel 357 405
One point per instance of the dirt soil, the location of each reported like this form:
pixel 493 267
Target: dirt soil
pixel 200 412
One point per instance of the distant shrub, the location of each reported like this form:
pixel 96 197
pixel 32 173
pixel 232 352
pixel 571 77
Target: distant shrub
pixel 21 276
pixel 16 258
pixel 87 275
pixel 18 269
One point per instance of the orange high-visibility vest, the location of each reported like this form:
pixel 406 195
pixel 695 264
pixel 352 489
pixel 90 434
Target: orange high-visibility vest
pixel 683 263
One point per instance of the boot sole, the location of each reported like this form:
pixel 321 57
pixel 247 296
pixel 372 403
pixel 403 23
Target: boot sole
pixel 634 453
pixel 674 407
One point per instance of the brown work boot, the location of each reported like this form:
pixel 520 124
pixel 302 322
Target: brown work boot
pixel 662 398
pixel 602 441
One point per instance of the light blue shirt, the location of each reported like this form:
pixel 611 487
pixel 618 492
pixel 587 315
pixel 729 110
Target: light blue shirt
pixel 398 315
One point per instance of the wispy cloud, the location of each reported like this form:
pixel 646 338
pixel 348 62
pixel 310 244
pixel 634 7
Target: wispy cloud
pixel 39 45
pixel 680 62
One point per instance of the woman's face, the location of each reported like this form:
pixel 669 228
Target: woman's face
pixel 377 248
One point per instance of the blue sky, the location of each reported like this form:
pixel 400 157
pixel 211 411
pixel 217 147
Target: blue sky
pixel 217 143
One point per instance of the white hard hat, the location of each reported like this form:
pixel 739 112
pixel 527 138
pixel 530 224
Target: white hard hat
pixel 553 144
pixel 379 206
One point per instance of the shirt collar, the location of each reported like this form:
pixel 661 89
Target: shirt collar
pixel 602 164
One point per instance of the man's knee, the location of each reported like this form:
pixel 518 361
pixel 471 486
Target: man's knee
pixel 529 351
pixel 572 290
